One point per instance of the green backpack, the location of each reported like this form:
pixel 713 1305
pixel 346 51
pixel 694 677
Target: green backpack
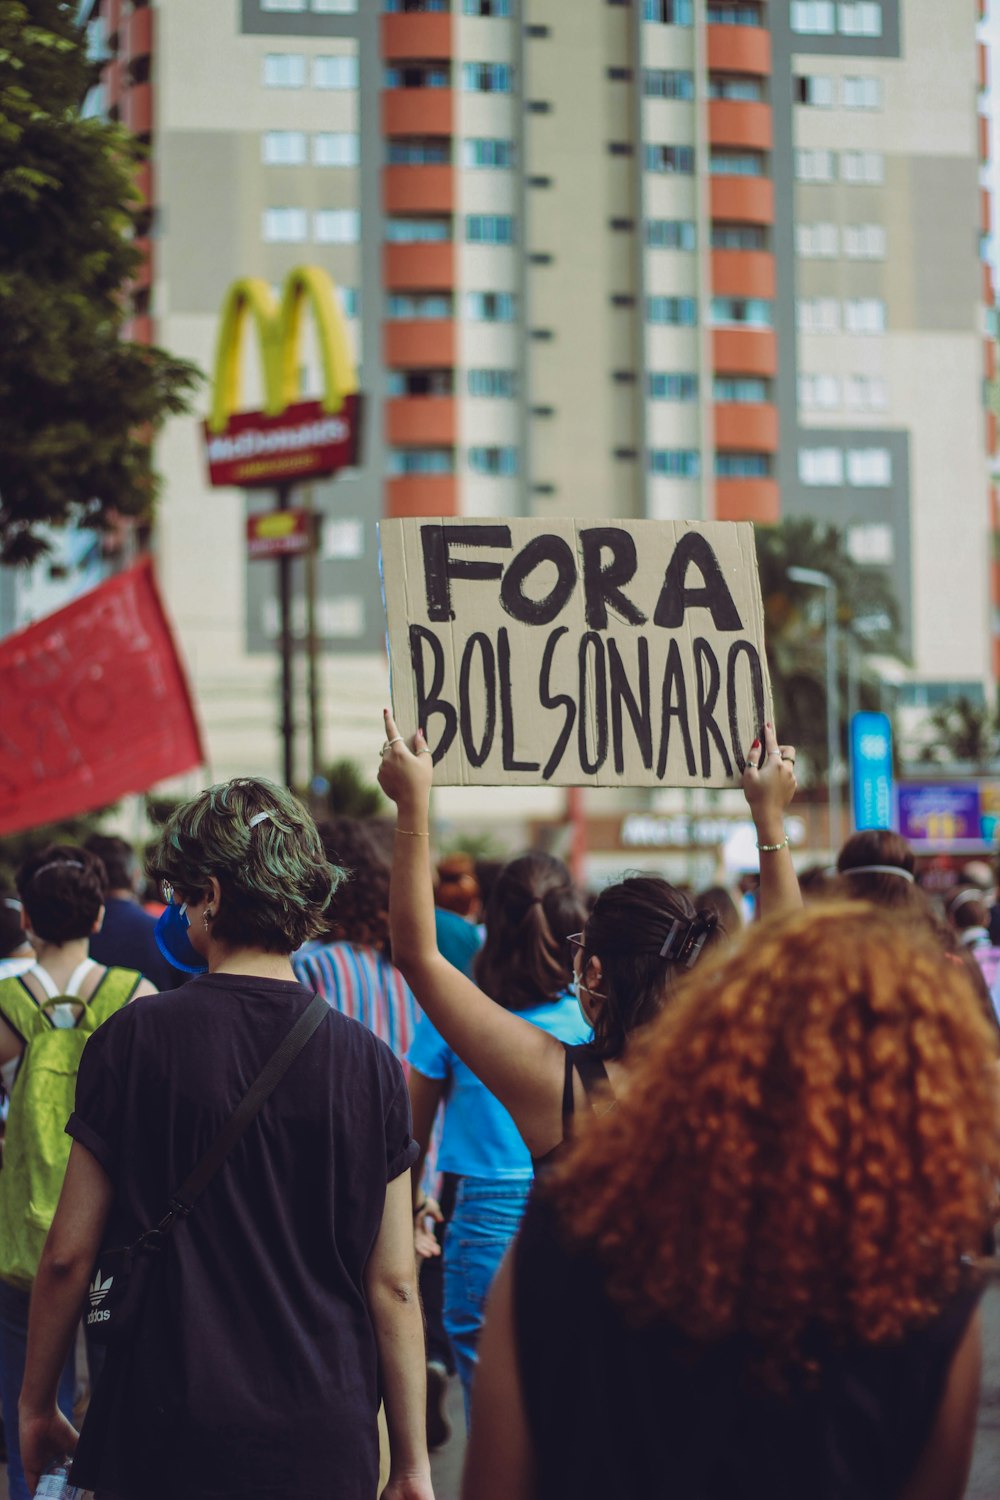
pixel 37 1147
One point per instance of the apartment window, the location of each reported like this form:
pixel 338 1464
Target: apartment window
pixel 623 377
pixel 285 225
pixel 413 6
pixel 667 83
pixel 670 234
pixel 742 312
pixel 420 382
pixel 734 15
pixel 619 75
pixel 741 87
pixel 673 160
pixel 814 166
pixel 490 307
pixel 675 463
pixel 283 148
pixel 621 225
pixel 859 18
pixel 431 306
pixel 334 7
pixel 417 231
pixel 669 386
pixel 283 4
pixel 350 301
pixel 498 8
pixel 493 383
pixel 869 468
pixel 669 12
pixel 538 33
pixel 862 166
pixel 739 236
pixel 487 78
pixel 865 393
pixel 864 315
pixel 871 545
pixel 818 314
pixel 864 241
pixel 435 150
pixel 861 93
pixel 814 17
pixel 622 299
pixel 336 148
pixel 742 465
pixel 819 392
pixel 741 390
pixel 417 76
pixel 734 163
pixel 680 311
pixel 488 460
pixel 538 107
pixel 489 229
pixel 821 466
pixel 816 89
pixel 541 335
pixel 620 148
pixel 338 226
pixel 538 182
pixel 487 151
pixel 540 258
pixel 421 461
pixel 625 455
pixel 817 241
pixel 284 70
pixel 335 72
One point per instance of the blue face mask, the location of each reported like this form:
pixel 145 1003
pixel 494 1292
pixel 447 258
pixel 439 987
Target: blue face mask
pixel 171 933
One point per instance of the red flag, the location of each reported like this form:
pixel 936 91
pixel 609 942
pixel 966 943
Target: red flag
pixel 93 704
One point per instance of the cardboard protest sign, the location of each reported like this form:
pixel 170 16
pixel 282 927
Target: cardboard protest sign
pixel 612 653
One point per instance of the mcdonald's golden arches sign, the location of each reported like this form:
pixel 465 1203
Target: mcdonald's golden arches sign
pixel 289 440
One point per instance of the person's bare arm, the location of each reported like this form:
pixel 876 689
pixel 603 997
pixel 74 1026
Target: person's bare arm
pixel 942 1470
pixel 769 786
pixel 425 1096
pixel 57 1299
pixel 391 1290
pixel 499 1460
pixel 11 1045
pixel 519 1063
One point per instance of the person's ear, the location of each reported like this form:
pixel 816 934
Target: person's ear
pixel 213 895
pixel 98 922
pixel 595 973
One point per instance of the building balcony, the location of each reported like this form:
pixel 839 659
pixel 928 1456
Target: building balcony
pixel 733 122
pixel 113 20
pixel 114 82
pixel 747 500
pixel 422 495
pixel 989 359
pixel 429 343
pixel 413 420
pixel 743 273
pixel 426 266
pixel 746 428
pixel 744 351
pixel 144 271
pixel 748 200
pixel 989 292
pixel 739 49
pixel 418 189
pixel 138 34
pixel 137 109
pixel 423 35
pixel 417 111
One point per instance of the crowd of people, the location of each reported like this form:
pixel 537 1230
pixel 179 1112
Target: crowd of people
pixel 689 1203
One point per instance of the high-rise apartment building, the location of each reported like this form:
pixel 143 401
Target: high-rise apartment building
pixel 672 258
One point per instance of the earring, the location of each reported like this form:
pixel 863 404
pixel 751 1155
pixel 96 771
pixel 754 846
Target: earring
pixel 207 916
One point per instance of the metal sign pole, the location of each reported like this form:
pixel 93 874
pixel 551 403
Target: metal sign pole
pixel 312 643
pixel 285 632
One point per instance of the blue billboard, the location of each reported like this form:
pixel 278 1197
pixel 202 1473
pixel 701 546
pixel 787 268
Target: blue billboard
pixel 871 770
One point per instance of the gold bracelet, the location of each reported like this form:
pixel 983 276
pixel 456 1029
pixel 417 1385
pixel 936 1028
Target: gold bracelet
pixel 773 848
pixel 412 833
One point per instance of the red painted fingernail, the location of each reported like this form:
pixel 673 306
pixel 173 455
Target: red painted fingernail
pixel 755 745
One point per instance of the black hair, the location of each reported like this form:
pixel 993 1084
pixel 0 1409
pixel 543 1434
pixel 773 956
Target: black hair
pixel 967 907
pixel 63 889
pixel 359 911
pixel 118 857
pixel 533 908
pixel 718 899
pixel 12 933
pixel 880 846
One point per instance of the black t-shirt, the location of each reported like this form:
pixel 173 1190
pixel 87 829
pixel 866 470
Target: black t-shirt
pixel 616 1412
pixel 255 1372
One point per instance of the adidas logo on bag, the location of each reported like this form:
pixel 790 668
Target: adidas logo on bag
pixel 98 1291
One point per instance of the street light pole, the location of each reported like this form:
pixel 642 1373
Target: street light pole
pixel 815 579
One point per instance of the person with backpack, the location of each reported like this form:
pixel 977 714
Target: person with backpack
pixel 46 1015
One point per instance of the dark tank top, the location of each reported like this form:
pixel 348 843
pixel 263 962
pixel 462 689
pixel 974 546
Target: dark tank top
pixel 617 1412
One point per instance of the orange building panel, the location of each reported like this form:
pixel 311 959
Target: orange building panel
pixel 113 16
pixel 423 344
pixel 425 267
pixel 138 33
pixel 744 351
pixel 989 296
pixel 983 57
pixel 137 110
pixel 743 273
pixel 995 583
pixel 746 428
pixel 739 49
pixel 422 495
pixel 417 111
pixel 733 122
pixel 114 82
pixel 138 330
pixel 412 420
pixel 423 36
pixel 743 199
pixel 144 273
pixel 747 500
pixel 989 359
pixel 994 508
pixel 418 189
pixel 996 658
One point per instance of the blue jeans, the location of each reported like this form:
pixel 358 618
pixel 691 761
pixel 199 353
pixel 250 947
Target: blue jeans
pixel 13 1348
pixel 485 1219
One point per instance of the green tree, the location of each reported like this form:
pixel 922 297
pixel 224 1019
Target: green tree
pixel 963 732
pixel 77 404
pixel 15 848
pixel 795 631
pixel 348 794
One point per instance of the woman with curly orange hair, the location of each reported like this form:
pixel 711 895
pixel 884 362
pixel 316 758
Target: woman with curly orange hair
pixel 751 1279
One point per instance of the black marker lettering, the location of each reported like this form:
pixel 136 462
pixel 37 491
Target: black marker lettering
pixel 598 696
pixel 708 694
pixel 477 754
pixel 507 708
pixel 673 683
pixel 428 701
pixel 440 567
pixel 676 597
pixel 544 548
pixel 638 711
pixel 736 650
pixel 548 699
pixel 602 586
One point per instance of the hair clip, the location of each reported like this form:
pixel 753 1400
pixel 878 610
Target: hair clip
pixel 58 864
pixel 258 818
pixel 685 940
pixel 13 903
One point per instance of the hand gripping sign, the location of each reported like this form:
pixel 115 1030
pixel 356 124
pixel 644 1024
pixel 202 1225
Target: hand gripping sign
pixel 289 440
pixel 610 653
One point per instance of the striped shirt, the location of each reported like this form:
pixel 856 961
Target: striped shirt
pixel 360 983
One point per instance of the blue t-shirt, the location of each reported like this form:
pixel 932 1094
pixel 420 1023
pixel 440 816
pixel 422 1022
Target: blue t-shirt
pixel 480 1139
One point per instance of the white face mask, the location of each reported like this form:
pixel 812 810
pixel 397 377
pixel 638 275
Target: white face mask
pixel 579 990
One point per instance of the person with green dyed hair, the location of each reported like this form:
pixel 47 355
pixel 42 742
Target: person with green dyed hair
pixel 285 1304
